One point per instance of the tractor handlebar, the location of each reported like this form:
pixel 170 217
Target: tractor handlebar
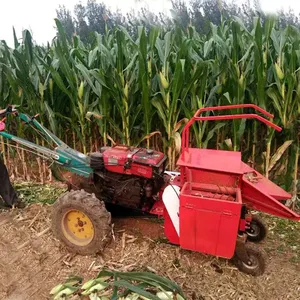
pixel 197 117
pixel 10 109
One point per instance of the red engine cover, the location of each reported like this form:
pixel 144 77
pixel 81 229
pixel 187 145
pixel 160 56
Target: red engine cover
pixel 133 161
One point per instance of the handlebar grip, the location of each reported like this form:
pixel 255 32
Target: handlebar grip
pixel 2 126
pixel 10 109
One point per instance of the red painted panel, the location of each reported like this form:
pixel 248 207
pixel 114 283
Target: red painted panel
pixel 216 160
pixel 139 161
pixel 187 225
pixel 259 200
pixel 207 231
pixel 209 224
pixel 157 208
pixel 170 230
pixel 228 232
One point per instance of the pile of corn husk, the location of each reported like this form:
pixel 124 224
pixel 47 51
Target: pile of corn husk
pixel 30 192
pixel 119 285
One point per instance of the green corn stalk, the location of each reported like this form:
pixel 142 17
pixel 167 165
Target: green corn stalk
pixel 145 86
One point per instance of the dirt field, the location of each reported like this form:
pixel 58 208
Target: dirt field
pixel 32 262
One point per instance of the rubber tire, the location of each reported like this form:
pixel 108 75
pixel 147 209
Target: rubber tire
pixel 94 209
pixel 263 230
pixel 260 256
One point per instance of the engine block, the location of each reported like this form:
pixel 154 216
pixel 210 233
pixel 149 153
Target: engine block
pixel 130 177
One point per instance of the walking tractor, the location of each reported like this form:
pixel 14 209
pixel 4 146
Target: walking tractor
pixel 206 206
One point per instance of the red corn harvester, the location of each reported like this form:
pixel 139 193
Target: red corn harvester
pixel 206 206
pixel 216 191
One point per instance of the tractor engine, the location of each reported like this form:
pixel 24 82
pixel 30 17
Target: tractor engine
pixel 127 176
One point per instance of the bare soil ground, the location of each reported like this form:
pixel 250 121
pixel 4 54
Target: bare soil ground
pixel 32 261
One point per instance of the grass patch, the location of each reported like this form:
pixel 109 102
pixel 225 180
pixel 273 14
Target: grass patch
pixel 285 236
pixel 295 259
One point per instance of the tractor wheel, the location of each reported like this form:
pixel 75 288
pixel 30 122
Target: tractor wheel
pixel 258 230
pixel 257 261
pixel 81 222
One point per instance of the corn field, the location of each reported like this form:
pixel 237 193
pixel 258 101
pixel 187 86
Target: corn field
pixel 141 91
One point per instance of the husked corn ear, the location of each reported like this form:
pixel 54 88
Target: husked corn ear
pixel 56 289
pixel 89 284
pixel 98 287
pixel 93 288
pixel 165 295
pixel 65 292
pixel 133 296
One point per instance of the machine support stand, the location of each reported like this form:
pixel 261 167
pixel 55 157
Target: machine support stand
pixel 240 250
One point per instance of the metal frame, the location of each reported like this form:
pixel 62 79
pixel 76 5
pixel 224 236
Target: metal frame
pixel 196 117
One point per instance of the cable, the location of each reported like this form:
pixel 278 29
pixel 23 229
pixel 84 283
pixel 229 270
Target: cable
pixel 169 184
pixel 40 134
pixel 30 151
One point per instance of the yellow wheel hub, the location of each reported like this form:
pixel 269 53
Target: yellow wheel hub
pixel 78 228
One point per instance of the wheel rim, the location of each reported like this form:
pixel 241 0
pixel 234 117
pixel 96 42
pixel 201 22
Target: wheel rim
pixel 77 227
pixel 252 263
pixel 254 230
